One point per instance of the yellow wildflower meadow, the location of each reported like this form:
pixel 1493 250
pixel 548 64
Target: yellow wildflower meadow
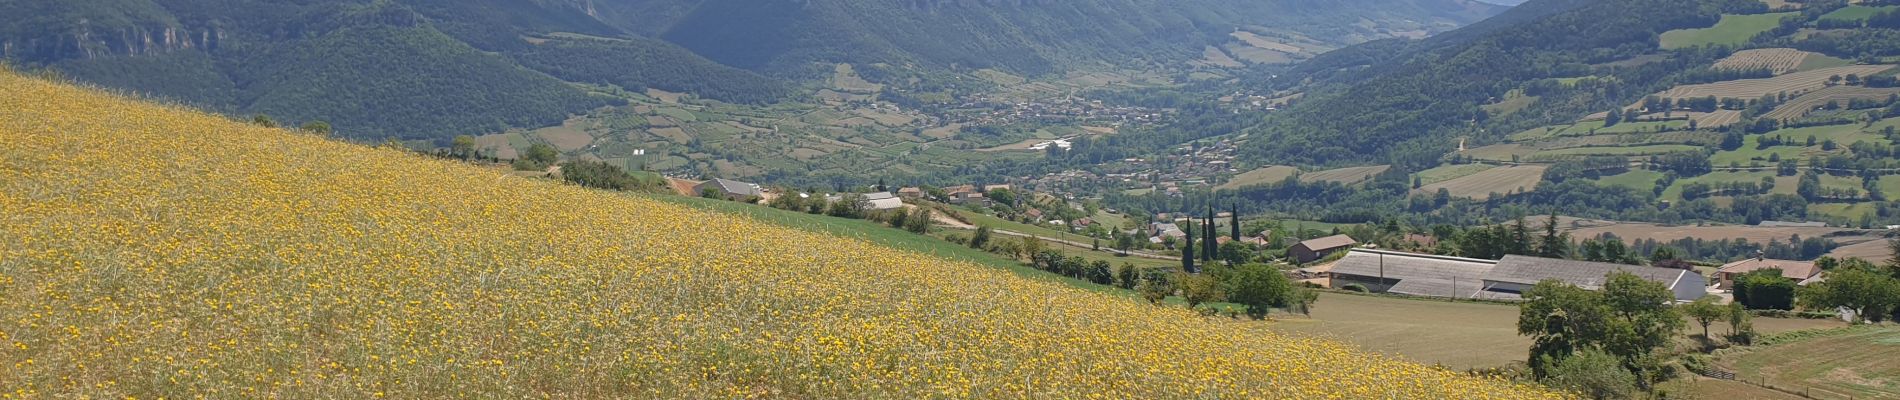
pixel 152 251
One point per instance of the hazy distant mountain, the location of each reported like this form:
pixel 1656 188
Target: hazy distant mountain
pixel 1027 36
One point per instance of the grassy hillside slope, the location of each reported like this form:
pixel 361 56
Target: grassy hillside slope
pixel 157 252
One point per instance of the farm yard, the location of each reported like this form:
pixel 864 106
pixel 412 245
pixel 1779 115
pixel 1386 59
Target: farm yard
pixel 1731 30
pixel 1481 185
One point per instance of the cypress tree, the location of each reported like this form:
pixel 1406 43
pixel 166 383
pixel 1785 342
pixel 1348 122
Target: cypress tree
pixel 1233 221
pixel 1208 244
pixel 1187 251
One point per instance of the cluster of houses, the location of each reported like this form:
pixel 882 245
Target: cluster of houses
pixel 1428 275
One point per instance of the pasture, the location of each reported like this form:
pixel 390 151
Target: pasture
pixel 1793 83
pixel 1732 30
pixel 1855 362
pixel 1482 184
pixel 1267 174
pixel 1348 175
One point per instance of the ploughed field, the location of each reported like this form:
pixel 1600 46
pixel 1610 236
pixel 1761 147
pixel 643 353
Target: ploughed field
pixel 149 251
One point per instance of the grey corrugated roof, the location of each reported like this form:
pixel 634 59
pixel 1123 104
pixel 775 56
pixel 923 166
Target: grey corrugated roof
pixel 736 187
pixel 878 196
pixel 1329 242
pixel 1408 266
pixel 1464 288
pixel 1585 274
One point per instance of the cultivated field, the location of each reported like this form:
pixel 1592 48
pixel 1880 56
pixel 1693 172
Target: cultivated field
pixel 1348 175
pixel 1703 120
pixel 1841 95
pixel 1481 185
pixel 1731 30
pixel 251 262
pixel 1856 363
pixel 1456 335
pixel 1781 60
pixel 1268 174
pixel 1793 84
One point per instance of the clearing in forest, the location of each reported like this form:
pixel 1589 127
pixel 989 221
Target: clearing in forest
pixel 1732 30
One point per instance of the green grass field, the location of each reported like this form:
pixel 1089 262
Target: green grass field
pixel 1858 362
pixel 1852 212
pixel 1449 172
pixel 1856 12
pixel 1732 30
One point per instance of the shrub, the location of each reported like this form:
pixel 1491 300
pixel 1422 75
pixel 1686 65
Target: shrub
pixel 1354 287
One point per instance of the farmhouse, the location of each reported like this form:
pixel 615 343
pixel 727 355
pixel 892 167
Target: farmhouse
pixel 910 193
pixel 1307 251
pixel 1415 274
pixel 1515 274
pixel 968 198
pixel 1798 271
pixel 731 189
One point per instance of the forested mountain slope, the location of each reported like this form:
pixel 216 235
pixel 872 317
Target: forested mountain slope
pixel 414 69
